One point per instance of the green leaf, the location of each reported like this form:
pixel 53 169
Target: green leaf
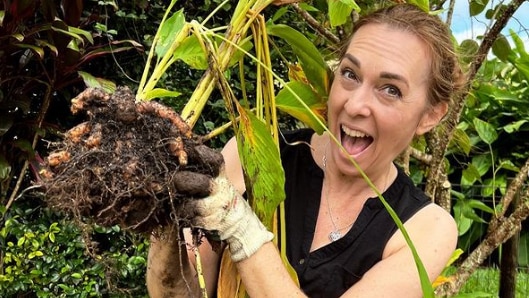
pixel 68 33
pixel 263 171
pixel 485 131
pixel 5 168
pixel 76 275
pixel 508 165
pixel 469 213
pixel 519 43
pixel 467 49
pixel 475 204
pixel 491 185
pixel 287 101
pixel 477 6
pixel 463 223
pixel 501 48
pixel 190 51
pixel 81 32
pixel 34 254
pixel 470 175
pixel 45 43
pixel 159 92
pixel 91 81
pixel 316 69
pixel 482 163
pixel 423 4
pixel 21 241
pixel 35 272
pixel 37 50
pixel 514 126
pixel 168 32
pixel 340 11
pixel 461 140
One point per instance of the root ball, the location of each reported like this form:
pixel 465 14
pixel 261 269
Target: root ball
pixel 131 164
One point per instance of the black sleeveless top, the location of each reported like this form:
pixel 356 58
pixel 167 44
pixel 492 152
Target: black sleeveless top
pixel 330 270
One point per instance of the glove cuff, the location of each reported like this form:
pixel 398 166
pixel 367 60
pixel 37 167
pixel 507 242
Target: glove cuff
pixel 248 239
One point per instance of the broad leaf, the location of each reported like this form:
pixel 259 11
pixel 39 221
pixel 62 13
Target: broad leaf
pixel 190 51
pixel 340 11
pixel 288 100
pixel 485 131
pixel 501 48
pixel 169 31
pixel 477 6
pixel 482 163
pixel 316 69
pixel 470 175
pixel 463 223
pixel 263 171
pixel 467 49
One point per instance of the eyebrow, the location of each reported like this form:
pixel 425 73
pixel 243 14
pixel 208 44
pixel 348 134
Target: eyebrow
pixel 384 75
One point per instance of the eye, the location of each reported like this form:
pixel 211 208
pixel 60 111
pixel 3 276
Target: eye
pixel 349 74
pixel 392 91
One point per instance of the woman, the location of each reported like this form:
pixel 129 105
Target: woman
pixel 394 81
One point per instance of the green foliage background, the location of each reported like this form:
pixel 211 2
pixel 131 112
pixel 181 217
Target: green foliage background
pixel 44 254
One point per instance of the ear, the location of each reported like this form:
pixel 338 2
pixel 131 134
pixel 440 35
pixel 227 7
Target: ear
pixel 431 118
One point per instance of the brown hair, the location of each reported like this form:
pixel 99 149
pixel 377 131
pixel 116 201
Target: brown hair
pixel 447 77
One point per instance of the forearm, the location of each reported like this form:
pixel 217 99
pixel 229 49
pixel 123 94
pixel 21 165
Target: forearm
pixel 169 273
pixel 264 274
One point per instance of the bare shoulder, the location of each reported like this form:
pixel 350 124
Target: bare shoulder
pixel 432 214
pixel 431 228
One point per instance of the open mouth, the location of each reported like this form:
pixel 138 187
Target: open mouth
pixel 355 141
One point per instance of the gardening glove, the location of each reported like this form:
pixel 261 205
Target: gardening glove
pixel 228 214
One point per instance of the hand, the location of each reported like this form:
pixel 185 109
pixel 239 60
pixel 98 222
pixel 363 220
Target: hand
pixel 229 214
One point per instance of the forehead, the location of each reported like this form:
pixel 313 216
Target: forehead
pixel 391 50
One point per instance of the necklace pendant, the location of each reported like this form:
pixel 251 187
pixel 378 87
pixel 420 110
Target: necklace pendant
pixel 334 235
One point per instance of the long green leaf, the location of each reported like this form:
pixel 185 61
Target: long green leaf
pixel 91 81
pixel 260 159
pixel 159 92
pixel 316 69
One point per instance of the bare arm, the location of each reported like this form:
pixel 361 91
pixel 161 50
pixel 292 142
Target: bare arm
pixel 171 266
pixel 434 235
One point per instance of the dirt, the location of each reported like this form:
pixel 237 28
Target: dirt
pixel 130 164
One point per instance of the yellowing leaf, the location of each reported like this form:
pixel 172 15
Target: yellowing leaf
pixel 300 101
pixel 263 171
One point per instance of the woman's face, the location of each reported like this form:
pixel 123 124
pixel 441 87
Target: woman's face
pixel 378 99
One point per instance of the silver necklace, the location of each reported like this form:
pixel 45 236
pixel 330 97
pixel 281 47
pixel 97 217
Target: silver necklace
pixel 335 234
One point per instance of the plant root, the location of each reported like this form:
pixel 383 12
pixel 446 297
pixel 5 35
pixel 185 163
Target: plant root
pixel 131 164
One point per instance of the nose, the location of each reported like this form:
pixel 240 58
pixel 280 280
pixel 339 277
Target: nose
pixel 359 102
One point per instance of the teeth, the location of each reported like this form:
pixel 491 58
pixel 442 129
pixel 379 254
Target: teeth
pixel 353 133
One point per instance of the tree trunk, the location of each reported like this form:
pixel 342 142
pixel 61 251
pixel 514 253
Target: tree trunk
pixel 509 262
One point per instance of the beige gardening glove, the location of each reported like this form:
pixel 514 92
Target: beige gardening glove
pixel 228 214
